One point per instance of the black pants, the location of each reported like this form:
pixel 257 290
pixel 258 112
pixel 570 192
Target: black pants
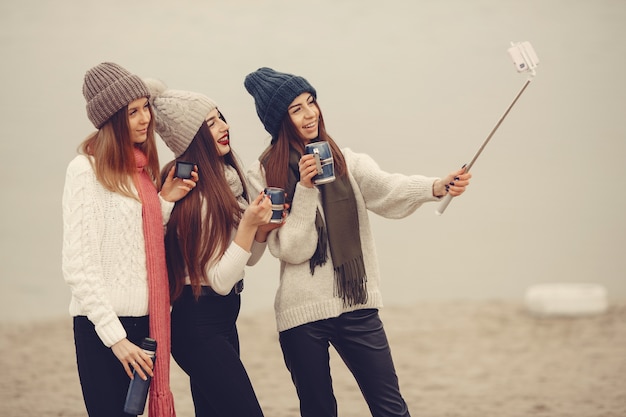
pixel 360 340
pixel 205 344
pixel 102 377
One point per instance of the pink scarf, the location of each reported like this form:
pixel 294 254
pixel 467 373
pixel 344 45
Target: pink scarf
pixel 161 400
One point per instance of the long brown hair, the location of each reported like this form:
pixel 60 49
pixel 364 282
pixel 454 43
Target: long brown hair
pixel 113 157
pixel 201 224
pixel 276 157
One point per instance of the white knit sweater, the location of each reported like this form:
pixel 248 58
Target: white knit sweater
pixel 303 298
pixel 225 272
pixel 104 258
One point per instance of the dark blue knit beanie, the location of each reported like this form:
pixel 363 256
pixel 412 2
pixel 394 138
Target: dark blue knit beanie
pixel 273 92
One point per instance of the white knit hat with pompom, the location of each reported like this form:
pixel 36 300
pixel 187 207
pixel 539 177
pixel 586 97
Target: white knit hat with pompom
pixel 178 114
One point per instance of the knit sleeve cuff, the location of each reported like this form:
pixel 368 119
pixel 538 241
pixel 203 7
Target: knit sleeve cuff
pixel 422 188
pixel 257 250
pixel 111 332
pixel 296 240
pixel 166 209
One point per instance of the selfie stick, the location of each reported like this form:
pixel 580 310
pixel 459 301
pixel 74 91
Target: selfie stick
pixel 525 60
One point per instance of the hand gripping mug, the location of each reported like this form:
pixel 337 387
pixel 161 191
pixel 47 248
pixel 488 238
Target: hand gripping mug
pixel 277 195
pixel 324 161
pixel 137 393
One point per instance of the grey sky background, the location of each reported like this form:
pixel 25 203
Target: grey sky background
pixel 417 85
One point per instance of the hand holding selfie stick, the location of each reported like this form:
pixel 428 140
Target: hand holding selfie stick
pixel 525 60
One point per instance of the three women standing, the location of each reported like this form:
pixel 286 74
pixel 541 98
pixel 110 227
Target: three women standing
pixel 113 252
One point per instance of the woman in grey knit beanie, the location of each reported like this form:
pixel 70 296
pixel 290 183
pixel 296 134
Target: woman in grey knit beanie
pixel 211 237
pixel 329 292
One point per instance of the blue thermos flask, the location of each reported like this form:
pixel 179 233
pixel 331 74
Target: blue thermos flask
pixel 138 388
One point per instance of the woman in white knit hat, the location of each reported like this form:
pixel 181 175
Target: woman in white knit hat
pixel 211 237
pixel 113 252
pixel 329 290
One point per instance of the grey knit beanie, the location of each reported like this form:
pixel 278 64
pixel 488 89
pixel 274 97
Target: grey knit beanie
pixel 107 88
pixel 178 114
pixel 273 92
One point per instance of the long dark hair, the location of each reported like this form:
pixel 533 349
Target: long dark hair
pixel 275 158
pixel 201 224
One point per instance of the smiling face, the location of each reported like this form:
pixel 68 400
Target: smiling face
pixel 305 115
pixel 138 120
pixel 219 131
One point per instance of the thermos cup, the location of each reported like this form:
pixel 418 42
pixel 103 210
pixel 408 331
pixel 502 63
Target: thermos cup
pixel 277 195
pixel 324 161
pixel 138 388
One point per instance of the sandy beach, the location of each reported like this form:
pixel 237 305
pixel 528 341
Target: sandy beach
pixel 454 359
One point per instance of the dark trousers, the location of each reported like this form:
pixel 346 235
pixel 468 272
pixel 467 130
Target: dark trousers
pixel 205 344
pixel 360 340
pixel 102 377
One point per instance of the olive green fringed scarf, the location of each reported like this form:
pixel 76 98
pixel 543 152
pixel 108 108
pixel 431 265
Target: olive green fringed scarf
pixel 341 233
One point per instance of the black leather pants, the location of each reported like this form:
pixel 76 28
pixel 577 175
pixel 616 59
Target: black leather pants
pixel 360 340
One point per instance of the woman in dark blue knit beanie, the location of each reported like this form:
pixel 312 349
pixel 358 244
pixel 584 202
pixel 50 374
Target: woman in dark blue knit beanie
pixel 329 290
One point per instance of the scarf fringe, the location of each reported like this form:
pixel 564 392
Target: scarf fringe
pixel 161 404
pixel 352 291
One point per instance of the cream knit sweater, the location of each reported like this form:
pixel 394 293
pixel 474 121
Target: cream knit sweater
pixel 103 257
pixel 225 272
pixel 303 298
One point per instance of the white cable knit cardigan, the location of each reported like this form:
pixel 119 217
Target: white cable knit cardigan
pixel 303 298
pixel 103 258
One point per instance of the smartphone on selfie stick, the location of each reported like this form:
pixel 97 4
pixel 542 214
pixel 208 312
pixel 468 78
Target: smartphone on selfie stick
pixel 525 60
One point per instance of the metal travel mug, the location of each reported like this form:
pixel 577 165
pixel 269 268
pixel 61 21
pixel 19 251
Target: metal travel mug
pixel 277 195
pixel 324 161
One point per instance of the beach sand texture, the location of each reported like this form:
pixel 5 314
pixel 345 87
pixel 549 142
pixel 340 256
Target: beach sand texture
pixel 454 359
